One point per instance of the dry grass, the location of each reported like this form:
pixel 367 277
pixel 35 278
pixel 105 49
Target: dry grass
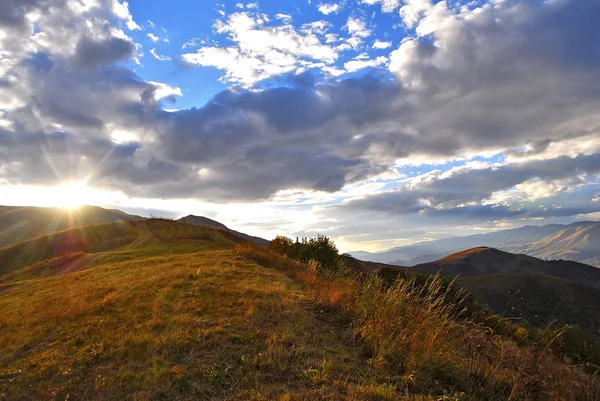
pixel 191 325
pixel 414 338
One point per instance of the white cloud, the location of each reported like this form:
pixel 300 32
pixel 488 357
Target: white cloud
pixel 194 42
pixel 248 6
pixel 387 6
pixel 153 37
pixel 537 189
pixel 357 28
pixel 413 10
pixel 262 50
pixel 381 45
pixel 361 63
pixel 163 90
pixel 331 38
pixel 284 17
pixel 329 8
pixel 121 10
pixel 316 27
pixel 159 56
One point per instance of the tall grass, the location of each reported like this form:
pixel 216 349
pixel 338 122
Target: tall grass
pixel 415 334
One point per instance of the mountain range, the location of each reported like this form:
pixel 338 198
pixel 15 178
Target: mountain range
pixel 578 242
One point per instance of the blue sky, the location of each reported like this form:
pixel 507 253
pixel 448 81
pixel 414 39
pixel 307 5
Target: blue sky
pixel 377 122
pixel 181 28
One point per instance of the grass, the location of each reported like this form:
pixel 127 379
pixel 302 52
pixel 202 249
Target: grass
pixel 182 312
pixel 420 342
pixel 177 317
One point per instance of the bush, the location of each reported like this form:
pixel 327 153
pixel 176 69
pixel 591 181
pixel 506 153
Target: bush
pixel 320 249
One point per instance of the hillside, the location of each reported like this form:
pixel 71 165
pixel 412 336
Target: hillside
pixel 112 241
pixel 578 242
pixel 206 222
pixel 165 310
pixel 18 223
pixel 524 287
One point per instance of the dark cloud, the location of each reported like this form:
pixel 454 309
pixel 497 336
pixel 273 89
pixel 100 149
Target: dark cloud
pixel 449 192
pixel 12 12
pixel 91 53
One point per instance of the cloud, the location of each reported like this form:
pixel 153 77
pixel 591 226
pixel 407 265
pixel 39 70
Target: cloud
pixel 262 50
pixel 485 189
pixel 329 8
pixel 356 65
pixel 159 56
pixel 387 6
pixel 487 80
pixel 153 37
pixel 121 10
pixel 93 53
pixel 284 17
pixel 164 91
pixel 356 27
pixel 381 45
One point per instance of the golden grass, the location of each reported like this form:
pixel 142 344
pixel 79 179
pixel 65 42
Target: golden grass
pixel 203 325
pixel 416 340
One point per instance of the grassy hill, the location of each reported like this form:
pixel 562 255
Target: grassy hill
pixel 18 223
pixel 165 310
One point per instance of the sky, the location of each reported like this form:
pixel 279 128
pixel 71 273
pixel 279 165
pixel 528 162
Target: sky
pixel 376 122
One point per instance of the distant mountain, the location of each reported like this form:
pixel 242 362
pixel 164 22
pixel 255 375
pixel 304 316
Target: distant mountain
pixel 206 222
pixel 578 242
pixel 524 287
pixel 18 223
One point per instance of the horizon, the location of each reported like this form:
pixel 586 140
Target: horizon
pixel 377 123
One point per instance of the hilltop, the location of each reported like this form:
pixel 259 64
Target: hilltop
pixel 578 242
pixel 206 222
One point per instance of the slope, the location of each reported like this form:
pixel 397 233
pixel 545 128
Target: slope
pixel 20 223
pixel 171 312
pixel 206 222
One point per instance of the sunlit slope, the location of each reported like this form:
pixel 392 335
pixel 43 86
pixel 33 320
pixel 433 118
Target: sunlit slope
pixel 76 248
pixel 19 223
pixel 204 325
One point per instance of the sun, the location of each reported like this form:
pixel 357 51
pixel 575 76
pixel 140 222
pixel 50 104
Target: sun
pixel 70 195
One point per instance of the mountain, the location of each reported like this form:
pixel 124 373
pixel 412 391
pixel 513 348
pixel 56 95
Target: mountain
pixel 524 287
pixel 206 222
pixel 578 242
pixel 18 223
